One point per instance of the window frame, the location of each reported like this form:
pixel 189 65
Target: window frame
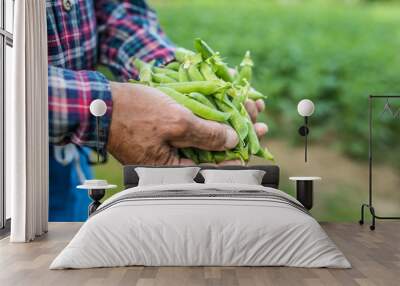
pixel 6 39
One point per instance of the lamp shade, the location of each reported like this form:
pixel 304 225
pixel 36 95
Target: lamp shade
pixel 305 107
pixel 98 107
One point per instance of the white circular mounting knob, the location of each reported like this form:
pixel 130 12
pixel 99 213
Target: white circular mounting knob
pixel 98 107
pixel 305 107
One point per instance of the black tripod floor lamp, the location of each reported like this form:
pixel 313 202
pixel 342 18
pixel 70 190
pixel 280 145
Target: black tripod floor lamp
pixel 395 114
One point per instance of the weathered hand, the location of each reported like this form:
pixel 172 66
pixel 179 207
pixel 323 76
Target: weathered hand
pixel 147 127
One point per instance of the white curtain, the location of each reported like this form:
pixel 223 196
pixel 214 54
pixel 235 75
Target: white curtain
pixel 27 124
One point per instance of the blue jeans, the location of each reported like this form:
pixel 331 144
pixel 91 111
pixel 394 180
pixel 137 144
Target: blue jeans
pixel 66 202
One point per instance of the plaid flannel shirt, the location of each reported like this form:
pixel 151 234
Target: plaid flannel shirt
pixel 82 34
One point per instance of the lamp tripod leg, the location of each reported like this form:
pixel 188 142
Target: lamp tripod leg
pixel 361 221
pixel 372 210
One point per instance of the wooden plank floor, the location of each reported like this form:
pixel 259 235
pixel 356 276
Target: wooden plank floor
pixel 375 257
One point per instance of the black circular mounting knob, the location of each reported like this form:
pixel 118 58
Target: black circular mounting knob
pixel 303 130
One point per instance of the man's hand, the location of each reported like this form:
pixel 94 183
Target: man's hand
pixel 147 126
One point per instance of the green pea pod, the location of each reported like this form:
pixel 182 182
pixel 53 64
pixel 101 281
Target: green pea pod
pixel 196 107
pixel 212 100
pixel 239 95
pixel 182 74
pixel 244 73
pixel 167 72
pixel 162 78
pixel 173 66
pixel 205 156
pixel 254 144
pixel 203 48
pixel 243 150
pixel 144 70
pixel 202 99
pixel 254 94
pixel 252 138
pixel 190 154
pixel 207 71
pixel 204 87
pixel 239 99
pixel 181 54
pixel 228 102
pixel 224 73
pixel 264 153
pixel 192 60
pixel 194 73
pixel 236 119
pixel 221 156
pixel 245 69
pixel 233 91
pixel 221 68
pixel 219 96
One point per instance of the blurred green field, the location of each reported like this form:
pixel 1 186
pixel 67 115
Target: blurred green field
pixel 333 52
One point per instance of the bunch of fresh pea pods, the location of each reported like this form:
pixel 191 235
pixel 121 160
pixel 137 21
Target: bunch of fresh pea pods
pixel 202 82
